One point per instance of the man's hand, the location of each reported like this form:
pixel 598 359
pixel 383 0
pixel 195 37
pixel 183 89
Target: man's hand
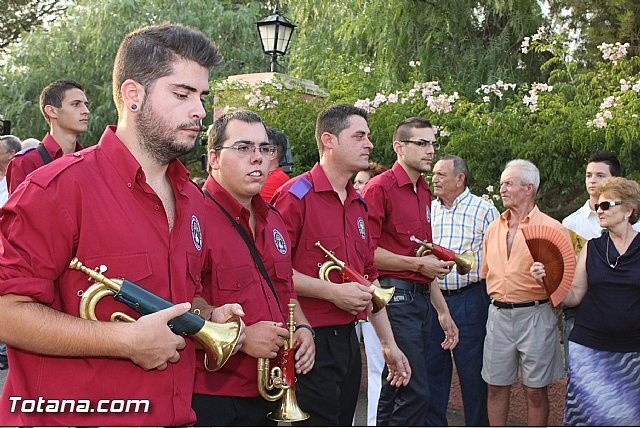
pixel 264 339
pixel 352 297
pixel 223 314
pixel 306 352
pixel 398 366
pixel 152 344
pixel 450 329
pixel 432 267
pixel 537 272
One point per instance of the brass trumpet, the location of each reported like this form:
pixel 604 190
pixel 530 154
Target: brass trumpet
pixel 283 380
pixel 218 340
pixel 381 296
pixel 464 262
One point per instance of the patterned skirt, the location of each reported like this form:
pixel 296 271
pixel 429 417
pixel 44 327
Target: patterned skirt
pixel 603 387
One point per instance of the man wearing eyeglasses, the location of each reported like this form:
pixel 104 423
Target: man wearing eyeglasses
pixel 522 335
pixel 399 202
pixel 239 159
pixel 584 221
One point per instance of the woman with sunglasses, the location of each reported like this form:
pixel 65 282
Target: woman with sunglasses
pixel 604 347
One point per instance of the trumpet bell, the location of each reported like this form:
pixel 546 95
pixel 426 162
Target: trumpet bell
pixel 381 297
pixel 289 411
pixel 465 262
pixel 218 341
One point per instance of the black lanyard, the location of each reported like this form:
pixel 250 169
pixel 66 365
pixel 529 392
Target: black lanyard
pixel 252 247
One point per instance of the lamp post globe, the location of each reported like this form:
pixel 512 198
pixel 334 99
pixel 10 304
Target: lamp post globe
pixel 275 33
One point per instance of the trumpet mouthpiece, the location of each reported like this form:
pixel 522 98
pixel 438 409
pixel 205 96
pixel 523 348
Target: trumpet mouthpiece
pixel 416 240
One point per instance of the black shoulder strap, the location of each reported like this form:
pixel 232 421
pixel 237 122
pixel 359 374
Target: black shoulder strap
pixel 44 154
pixel 252 247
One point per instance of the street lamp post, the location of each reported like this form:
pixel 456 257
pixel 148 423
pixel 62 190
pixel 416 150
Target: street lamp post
pixel 275 33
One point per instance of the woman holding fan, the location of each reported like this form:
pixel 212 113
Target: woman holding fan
pixel 604 347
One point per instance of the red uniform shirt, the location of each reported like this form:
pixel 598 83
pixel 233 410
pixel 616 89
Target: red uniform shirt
pixel 28 160
pixel 97 206
pixel 396 212
pixel 232 276
pixel 275 179
pixel 313 212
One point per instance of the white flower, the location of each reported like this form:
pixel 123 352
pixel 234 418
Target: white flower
pixel 490 188
pixel 486 99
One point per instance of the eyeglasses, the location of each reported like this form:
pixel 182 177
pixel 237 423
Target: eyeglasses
pixel 245 149
pixel 605 205
pixel 423 143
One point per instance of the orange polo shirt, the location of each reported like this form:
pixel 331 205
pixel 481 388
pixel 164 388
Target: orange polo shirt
pixel 508 278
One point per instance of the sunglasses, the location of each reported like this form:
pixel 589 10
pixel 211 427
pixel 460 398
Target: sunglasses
pixel 605 205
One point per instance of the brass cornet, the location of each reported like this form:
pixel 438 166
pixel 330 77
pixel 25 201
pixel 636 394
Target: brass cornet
pixel 282 380
pixel 381 296
pixel 218 340
pixel 464 262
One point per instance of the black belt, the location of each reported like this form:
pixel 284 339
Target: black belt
pixel 504 305
pixel 404 284
pixel 460 290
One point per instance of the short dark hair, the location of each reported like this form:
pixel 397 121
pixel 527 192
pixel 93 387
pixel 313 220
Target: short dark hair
pixel 403 129
pixel 278 139
pixel 53 94
pixel 335 119
pixel 11 143
pixel 459 166
pixel 218 130
pixel 148 53
pixel 609 158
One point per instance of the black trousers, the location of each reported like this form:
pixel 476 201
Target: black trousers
pixel 217 410
pixel 329 392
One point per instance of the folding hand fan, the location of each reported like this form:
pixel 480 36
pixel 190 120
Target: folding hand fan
pixel 552 248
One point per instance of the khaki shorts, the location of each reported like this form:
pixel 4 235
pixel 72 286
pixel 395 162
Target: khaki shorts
pixel 525 338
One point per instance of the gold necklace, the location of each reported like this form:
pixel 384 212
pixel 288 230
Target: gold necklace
pixel 612 265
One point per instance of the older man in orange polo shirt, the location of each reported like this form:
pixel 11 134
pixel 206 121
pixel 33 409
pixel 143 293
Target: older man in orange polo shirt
pixel 521 328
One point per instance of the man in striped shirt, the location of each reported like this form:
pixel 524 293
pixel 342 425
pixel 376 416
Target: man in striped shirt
pixel 458 222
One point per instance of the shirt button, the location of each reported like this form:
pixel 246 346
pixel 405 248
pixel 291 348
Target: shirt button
pixel 156 207
pixel 129 185
pixel 77 155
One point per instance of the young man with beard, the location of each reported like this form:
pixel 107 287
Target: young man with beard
pixel 399 203
pixel 126 203
pixel 322 206
pixel 239 159
pixel 66 109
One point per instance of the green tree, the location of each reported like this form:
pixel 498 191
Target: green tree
pixel 600 21
pixel 462 41
pixel 19 17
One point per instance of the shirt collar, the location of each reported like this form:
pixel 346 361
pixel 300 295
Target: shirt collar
pixel 321 183
pixel 233 207
pixel 462 196
pixel 533 215
pixel 128 167
pixel 54 149
pixel 402 178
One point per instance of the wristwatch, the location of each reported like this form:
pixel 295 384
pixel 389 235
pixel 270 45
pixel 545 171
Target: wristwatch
pixel 308 327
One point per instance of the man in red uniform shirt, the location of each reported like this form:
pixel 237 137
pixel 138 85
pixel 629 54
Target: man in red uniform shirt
pixel 399 203
pixel 277 175
pixel 239 155
pixel 66 109
pixel 126 203
pixel 322 205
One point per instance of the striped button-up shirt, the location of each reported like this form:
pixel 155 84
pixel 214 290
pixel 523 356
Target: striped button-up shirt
pixel 462 228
